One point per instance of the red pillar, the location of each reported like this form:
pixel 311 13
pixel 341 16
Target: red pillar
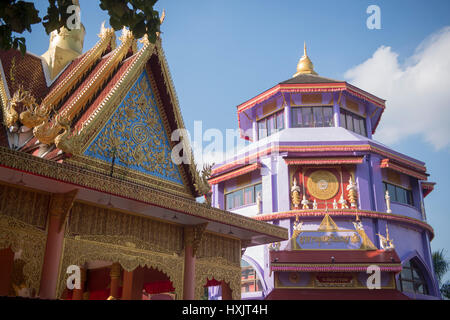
pixel 127 290
pixel 6 269
pixel 60 205
pixel 115 280
pixel 133 283
pixel 226 291
pixel 189 273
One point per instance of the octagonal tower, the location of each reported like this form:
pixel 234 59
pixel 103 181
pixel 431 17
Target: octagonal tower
pixel 348 200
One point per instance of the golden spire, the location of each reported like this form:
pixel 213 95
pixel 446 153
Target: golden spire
pixel 65 46
pixel 305 66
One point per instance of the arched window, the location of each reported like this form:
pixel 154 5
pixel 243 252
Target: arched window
pixel 412 278
pixel 250 281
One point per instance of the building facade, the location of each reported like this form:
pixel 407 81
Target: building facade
pixel 349 201
pixel 87 180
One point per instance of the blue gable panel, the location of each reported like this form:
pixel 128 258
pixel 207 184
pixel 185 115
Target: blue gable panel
pixel 136 136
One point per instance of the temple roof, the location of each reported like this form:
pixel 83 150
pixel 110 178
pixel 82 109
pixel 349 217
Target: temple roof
pixel 309 78
pixel 58 119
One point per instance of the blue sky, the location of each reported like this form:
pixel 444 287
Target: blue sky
pixel 222 53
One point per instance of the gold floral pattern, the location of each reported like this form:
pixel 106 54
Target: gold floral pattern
pixel 135 136
pixel 25 205
pixel 101 182
pixel 219 269
pixel 80 250
pixel 124 229
pixel 28 240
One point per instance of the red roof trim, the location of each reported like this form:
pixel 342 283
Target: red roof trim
pixel 386 163
pixel 235 173
pixel 324 161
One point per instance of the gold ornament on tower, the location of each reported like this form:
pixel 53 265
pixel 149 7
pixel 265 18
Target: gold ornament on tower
pixel 322 185
pixel 352 193
pixel 305 66
pixel 295 194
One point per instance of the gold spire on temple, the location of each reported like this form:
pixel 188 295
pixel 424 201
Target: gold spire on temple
pixel 305 66
pixel 65 46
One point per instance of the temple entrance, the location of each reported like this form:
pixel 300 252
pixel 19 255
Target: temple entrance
pixel 109 281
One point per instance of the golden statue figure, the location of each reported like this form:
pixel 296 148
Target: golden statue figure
pixel 305 203
pixel 343 202
pixel 295 194
pixel 352 193
pixel 386 243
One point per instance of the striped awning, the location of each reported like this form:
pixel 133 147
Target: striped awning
pixel 386 163
pixel 235 173
pixel 324 161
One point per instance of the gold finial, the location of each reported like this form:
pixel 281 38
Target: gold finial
pixel 305 66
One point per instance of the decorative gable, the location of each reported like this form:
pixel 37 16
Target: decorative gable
pixel 135 136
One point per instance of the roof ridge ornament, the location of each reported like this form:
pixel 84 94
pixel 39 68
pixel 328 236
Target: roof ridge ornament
pixel 305 66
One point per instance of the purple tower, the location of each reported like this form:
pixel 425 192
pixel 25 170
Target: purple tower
pixel 350 203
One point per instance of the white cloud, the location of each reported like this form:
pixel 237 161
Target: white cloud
pixel 417 92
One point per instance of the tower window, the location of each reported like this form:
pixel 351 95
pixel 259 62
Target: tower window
pixel 312 117
pixel 412 279
pixel 353 122
pixel 399 194
pixel 242 197
pixel 270 124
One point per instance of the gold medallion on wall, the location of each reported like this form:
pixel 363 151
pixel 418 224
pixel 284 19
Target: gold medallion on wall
pixel 322 185
pixel 294 277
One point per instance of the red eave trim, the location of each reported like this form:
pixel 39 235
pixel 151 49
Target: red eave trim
pixel 427 187
pixel 386 163
pixel 324 161
pixel 312 87
pixel 235 173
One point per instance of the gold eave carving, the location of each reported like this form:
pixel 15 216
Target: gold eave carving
pixel 48 131
pixel 77 143
pixel 86 178
pixel 35 114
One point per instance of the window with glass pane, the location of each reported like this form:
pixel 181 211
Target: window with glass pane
pixel 270 124
pixel 280 121
pixel 318 117
pixel 362 126
pixel 353 122
pixel 356 127
pixel 349 122
pixel 249 195
pixel 412 279
pixel 238 199
pixel 399 194
pixel 241 197
pixel 262 129
pixel 307 117
pixel 328 120
pixel 229 201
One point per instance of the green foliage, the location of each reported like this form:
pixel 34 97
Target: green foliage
pixel 440 263
pixel 17 17
pixel 445 290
